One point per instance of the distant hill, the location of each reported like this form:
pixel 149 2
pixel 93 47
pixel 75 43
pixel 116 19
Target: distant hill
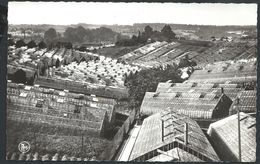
pixel 203 32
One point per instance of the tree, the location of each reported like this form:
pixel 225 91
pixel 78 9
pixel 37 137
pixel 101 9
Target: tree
pixel 184 62
pixel 147 80
pixel 42 45
pixel 50 35
pixel 57 63
pixel 82 48
pixel 19 76
pixel 11 42
pixel 148 31
pixel 167 32
pixel 68 45
pixel 108 82
pixel 20 43
pixel 31 44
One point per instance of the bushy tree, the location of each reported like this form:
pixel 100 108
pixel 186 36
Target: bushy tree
pixel 148 32
pixel 167 32
pixel 31 44
pixel 19 76
pixel 147 80
pixel 11 42
pixel 186 62
pixel 50 35
pixel 42 45
pixel 57 64
pixel 68 45
pixel 20 43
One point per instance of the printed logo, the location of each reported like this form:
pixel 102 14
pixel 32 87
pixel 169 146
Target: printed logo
pixel 24 147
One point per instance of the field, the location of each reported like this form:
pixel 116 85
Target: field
pixel 45 143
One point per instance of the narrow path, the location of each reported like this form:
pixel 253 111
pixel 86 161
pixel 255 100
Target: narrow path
pixel 127 148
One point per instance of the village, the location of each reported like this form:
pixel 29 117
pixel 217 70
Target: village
pixel 157 96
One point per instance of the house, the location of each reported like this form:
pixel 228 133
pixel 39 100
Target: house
pixel 199 106
pixel 46 104
pixel 224 137
pixel 170 136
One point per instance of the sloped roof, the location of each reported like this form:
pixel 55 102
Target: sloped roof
pixel 191 105
pixel 150 136
pixel 70 98
pixel 225 132
pixel 247 102
pixel 231 90
pixel 79 87
pixel 216 79
pixel 176 152
pixel 231 74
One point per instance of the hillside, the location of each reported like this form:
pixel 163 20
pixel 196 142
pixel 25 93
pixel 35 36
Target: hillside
pixel 202 31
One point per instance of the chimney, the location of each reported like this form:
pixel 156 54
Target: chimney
pixel 186 133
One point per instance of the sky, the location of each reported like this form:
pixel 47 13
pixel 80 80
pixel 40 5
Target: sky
pixel 65 13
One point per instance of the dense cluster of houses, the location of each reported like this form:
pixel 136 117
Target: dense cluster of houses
pixel 209 117
pixel 84 67
pixel 189 121
pixel 105 71
pixel 163 53
pixel 58 112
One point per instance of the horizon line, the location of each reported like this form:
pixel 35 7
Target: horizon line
pixel 128 24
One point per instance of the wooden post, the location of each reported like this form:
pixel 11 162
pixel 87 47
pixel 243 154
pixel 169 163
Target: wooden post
pixel 239 135
pixel 82 144
pixel 222 90
pixel 162 130
pixel 35 144
pixel 186 133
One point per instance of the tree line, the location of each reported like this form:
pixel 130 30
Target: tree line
pixel 166 34
pixel 80 35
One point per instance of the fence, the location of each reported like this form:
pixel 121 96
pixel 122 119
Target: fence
pixel 118 139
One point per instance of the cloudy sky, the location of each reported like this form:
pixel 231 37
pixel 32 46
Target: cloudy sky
pixel 65 13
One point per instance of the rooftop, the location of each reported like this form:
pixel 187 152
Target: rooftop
pixel 231 90
pixel 224 135
pixel 238 71
pixel 191 104
pixel 150 138
pixel 247 102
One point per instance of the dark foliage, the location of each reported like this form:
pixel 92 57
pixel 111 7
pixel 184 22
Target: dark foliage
pixel 50 35
pixel 166 34
pixel 31 44
pixel 147 80
pixel 82 35
pixel 11 42
pixel 57 65
pixel 42 45
pixel 19 76
pixel 20 43
pixel 185 62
